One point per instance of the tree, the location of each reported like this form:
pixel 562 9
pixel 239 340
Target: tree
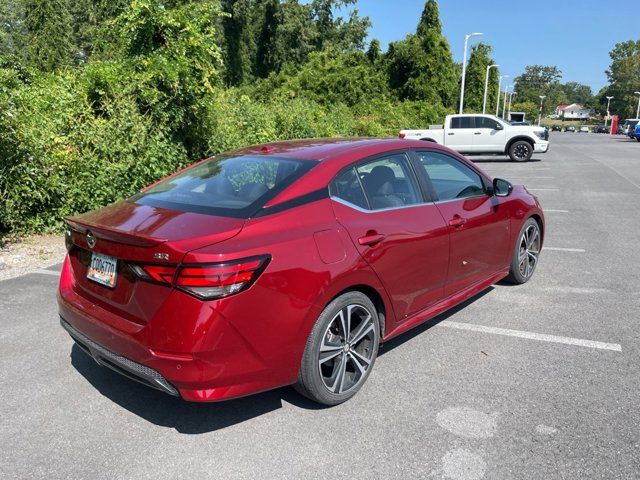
pixel 578 93
pixel 421 67
pixel 267 60
pixel 48 32
pixel 373 52
pixel 476 74
pixel 624 78
pixel 541 80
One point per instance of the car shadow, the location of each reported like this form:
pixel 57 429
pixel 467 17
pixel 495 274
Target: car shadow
pixel 420 329
pixel 185 417
pixel 198 418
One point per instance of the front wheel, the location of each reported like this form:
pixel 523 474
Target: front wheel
pixel 520 151
pixel 527 251
pixel 340 351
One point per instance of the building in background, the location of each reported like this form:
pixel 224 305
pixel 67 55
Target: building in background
pixel 575 111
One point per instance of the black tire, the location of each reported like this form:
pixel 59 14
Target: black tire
pixel 638 139
pixel 517 274
pixel 520 151
pixel 326 333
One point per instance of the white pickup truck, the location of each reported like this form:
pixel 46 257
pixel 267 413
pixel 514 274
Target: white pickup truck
pixel 485 134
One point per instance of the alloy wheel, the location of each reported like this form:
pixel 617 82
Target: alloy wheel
pixel 529 250
pixel 521 151
pixel 347 349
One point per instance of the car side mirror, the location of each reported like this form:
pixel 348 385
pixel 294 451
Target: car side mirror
pixel 502 188
pixel 498 127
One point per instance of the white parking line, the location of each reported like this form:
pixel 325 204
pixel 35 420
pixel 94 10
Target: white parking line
pixel 542 337
pixel 545 210
pixel 561 249
pixel 47 272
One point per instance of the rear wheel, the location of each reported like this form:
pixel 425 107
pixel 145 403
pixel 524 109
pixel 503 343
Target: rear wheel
pixel 340 351
pixel 527 251
pixel 520 151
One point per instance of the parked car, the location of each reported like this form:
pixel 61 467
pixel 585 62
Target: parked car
pixel 636 132
pixel 629 125
pixel 485 134
pixel 288 263
pixel 569 128
pixel 600 129
pixel 583 129
pixel 556 128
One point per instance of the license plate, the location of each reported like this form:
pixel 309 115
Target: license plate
pixel 102 269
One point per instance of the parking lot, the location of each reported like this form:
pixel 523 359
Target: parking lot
pixel 533 381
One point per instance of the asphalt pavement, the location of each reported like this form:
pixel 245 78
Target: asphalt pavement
pixel 539 381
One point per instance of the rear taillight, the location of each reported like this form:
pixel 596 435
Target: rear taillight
pixel 206 281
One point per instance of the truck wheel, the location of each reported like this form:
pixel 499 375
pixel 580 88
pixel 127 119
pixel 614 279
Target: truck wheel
pixel 520 151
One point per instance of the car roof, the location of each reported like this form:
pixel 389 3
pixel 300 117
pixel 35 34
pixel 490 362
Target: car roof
pixel 323 149
pixel 332 155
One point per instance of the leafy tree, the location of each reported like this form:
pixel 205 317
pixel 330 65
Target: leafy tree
pixel 541 80
pixel 476 73
pixel 373 52
pixel 578 93
pixel 421 67
pixel 48 33
pixel 624 78
pixel 13 33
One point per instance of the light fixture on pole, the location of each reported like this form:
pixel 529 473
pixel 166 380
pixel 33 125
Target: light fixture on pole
pixel 638 109
pixel 486 87
pixel 608 114
pixel 542 97
pixel 464 67
pixel 504 103
pixel 499 86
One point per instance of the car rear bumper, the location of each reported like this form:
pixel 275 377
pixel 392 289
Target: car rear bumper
pixel 122 365
pixel 198 354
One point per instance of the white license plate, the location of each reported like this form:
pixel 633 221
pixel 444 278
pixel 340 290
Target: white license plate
pixel 102 269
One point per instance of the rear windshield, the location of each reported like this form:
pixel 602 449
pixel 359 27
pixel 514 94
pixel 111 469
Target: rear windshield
pixel 228 186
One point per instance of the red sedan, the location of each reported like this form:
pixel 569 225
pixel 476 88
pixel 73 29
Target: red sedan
pixel 288 263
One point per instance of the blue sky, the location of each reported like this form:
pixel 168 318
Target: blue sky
pixel 575 36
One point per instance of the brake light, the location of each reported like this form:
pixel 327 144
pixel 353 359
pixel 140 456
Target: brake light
pixel 206 281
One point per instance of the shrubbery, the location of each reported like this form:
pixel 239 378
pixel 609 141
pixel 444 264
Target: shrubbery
pixel 152 93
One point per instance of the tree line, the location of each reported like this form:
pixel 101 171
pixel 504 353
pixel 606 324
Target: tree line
pixel 100 97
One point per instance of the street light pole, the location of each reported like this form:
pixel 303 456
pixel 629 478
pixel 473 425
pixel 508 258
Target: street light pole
pixel 638 109
pixel 542 97
pixel 504 103
pixel 509 107
pixel 486 87
pixel 499 86
pixel 464 67
pixel 608 114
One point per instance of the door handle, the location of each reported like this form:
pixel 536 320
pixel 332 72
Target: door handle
pixel 371 239
pixel 477 133
pixel 457 221
pixel 450 133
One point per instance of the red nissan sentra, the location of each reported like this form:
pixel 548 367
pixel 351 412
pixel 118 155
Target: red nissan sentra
pixel 288 264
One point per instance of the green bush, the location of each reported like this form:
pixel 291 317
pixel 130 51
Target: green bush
pixel 59 158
